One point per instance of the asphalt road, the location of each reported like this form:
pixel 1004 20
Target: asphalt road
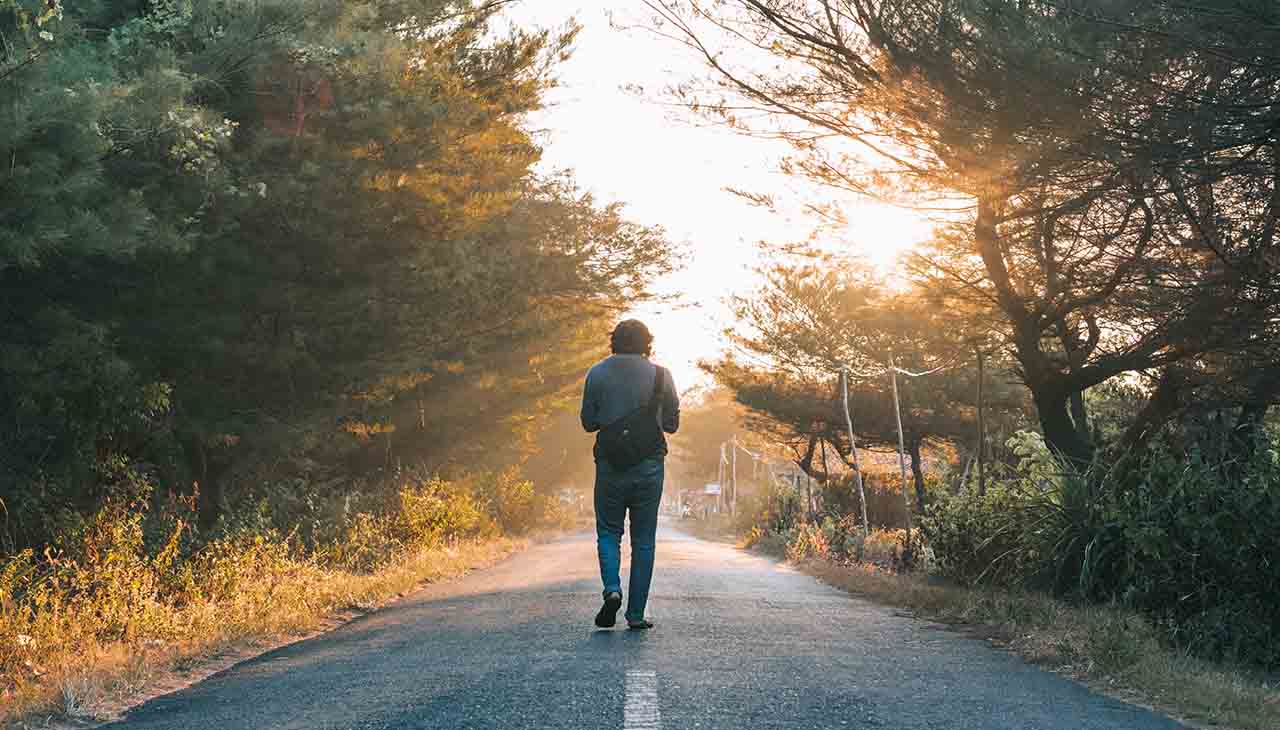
pixel 742 642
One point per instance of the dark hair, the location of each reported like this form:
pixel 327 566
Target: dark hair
pixel 631 337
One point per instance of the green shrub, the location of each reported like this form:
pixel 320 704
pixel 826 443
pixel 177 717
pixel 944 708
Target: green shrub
pixel 885 507
pixel 1191 543
pixel 432 511
pixel 517 506
pixel 845 537
pixel 1200 553
pixel 971 534
pixel 366 544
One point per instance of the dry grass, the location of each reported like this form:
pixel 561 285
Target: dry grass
pixel 81 677
pixel 1113 650
pixel 115 607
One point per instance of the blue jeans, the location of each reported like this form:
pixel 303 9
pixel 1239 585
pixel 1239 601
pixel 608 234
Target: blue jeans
pixel 638 489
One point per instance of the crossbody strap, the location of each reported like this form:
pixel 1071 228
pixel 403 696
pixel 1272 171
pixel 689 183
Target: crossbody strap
pixel 656 399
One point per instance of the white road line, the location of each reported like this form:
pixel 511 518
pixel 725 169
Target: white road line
pixel 641 709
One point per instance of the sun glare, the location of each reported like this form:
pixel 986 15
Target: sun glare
pixel 675 171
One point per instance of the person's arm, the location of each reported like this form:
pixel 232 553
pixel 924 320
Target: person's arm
pixel 590 405
pixel 670 405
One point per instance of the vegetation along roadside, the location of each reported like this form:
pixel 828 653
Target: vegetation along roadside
pixel 100 623
pixel 1116 645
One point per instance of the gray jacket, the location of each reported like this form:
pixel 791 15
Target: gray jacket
pixel 618 385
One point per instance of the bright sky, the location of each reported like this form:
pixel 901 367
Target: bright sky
pixel 670 169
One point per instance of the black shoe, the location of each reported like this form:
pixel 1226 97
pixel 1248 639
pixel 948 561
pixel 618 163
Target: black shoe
pixel 639 625
pixel 608 615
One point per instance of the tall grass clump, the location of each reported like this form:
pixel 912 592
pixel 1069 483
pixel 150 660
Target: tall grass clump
pixel 1187 540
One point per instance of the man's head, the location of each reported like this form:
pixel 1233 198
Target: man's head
pixel 631 337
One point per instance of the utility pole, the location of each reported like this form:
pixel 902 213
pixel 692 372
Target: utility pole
pixel 720 478
pixel 902 461
pixel 982 428
pixel 733 460
pixel 853 449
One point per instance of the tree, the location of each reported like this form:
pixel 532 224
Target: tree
pixel 806 323
pixel 1085 150
pixel 292 243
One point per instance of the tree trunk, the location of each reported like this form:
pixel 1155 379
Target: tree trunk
pixel 917 472
pixel 1249 427
pixel 1160 407
pixel 1048 389
pixel 1059 430
pixel 806 462
pixel 826 470
pixel 1077 351
pixel 197 459
pixel 1080 416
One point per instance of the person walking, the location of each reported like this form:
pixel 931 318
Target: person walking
pixel 630 404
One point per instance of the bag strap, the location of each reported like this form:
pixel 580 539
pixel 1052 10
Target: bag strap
pixel 657 388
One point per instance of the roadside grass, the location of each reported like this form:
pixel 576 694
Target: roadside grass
pixel 83 678
pixel 1111 649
